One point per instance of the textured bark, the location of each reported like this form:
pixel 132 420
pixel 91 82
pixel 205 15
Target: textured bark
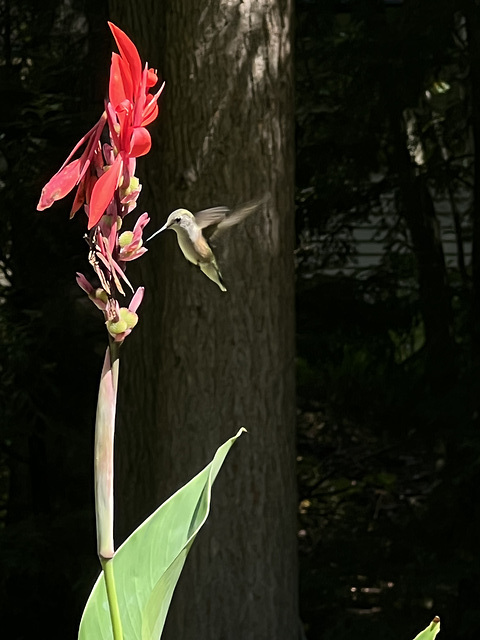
pixel 204 362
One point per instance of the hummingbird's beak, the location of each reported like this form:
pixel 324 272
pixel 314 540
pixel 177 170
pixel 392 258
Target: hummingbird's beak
pixel 157 232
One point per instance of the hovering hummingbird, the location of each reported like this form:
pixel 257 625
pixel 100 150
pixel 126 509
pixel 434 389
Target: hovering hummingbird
pixel 194 231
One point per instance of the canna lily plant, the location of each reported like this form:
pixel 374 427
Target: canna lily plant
pixel 132 594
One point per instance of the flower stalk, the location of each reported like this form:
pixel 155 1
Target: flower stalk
pixel 103 452
pixel 107 566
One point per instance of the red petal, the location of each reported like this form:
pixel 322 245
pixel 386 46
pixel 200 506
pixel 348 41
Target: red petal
pixel 90 183
pixel 79 199
pixel 103 191
pixel 150 110
pixel 61 184
pixel 120 86
pixel 152 78
pixel 140 142
pixel 149 114
pixel 92 137
pixel 128 52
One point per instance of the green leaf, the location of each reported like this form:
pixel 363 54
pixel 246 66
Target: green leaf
pixel 148 564
pixel 431 631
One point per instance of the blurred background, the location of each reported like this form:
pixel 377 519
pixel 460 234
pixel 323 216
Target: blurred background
pixel 387 300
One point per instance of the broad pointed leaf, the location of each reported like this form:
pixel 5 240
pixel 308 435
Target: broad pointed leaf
pixel 147 566
pixel 431 631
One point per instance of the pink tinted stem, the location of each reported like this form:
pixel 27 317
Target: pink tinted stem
pixel 103 463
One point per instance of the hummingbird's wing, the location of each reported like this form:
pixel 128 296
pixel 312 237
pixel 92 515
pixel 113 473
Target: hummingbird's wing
pixel 237 215
pixel 208 217
pixel 216 220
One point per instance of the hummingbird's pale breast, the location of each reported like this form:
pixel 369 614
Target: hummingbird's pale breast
pixel 193 245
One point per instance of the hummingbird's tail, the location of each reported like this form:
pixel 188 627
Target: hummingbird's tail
pixel 211 270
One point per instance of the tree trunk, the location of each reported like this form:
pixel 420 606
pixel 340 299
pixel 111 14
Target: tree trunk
pixel 420 216
pixel 207 362
pixel 416 204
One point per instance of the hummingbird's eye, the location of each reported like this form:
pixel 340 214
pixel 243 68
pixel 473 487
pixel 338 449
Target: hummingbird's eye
pixel 177 220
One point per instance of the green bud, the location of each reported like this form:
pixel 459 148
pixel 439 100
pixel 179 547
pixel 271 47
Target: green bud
pixel 125 238
pixel 106 220
pixel 101 294
pixel 115 328
pixel 133 185
pixel 129 317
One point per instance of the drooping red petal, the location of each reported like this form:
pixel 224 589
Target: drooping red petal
pixel 90 182
pixel 60 185
pixel 92 137
pixel 79 199
pixel 140 142
pixel 102 192
pixel 129 53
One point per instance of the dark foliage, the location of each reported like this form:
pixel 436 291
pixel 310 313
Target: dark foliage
pixel 48 367
pixel 388 438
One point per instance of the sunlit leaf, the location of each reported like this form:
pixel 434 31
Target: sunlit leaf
pixel 431 631
pixel 147 566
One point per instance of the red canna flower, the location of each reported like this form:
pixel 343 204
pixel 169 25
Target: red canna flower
pixel 129 109
pixel 106 185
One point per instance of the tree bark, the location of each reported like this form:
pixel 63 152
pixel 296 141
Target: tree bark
pixel 203 362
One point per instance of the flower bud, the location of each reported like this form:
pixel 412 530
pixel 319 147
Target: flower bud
pixel 115 328
pixel 125 238
pixel 133 185
pixel 106 221
pixel 129 317
pixel 101 294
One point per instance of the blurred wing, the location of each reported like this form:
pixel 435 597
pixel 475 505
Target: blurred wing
pixel 237 215
pixel 208 217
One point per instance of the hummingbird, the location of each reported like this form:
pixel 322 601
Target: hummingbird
pixel 194 231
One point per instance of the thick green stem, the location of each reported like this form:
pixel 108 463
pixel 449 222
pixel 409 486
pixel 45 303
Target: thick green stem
pixel 107 567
